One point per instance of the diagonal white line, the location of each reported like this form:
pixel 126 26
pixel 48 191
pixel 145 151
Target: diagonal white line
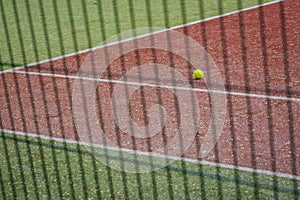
pixel 142 36
pixel 202 162
pixel 282 98
pixel 155 85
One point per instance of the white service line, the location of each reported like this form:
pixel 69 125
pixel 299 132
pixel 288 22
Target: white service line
pixel 282 98
pixel 265 172
pixel 202 162
pixel 141 36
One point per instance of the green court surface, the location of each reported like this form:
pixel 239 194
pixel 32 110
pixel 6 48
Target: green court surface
pixel 50 168
pixel 60 170
pixel 35 30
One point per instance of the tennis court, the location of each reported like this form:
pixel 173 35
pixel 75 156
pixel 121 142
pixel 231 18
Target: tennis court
pixel 232 134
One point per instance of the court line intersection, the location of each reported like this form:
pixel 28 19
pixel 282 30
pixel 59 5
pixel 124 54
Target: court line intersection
pixel 259 171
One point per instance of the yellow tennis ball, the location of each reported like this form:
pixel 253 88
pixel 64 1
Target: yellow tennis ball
pixel 198 74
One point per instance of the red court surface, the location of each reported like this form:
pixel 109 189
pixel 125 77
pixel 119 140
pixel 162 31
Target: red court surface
pixel 258 129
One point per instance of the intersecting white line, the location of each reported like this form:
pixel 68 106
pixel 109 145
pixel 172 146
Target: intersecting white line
pixel 265 172
pixel 141 36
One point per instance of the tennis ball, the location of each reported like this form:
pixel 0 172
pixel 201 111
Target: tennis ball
pixel 198 74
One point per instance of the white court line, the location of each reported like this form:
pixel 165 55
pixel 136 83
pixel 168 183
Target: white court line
pixel 163 86
pixel 153 85
pixel 141 36
pixel 202 162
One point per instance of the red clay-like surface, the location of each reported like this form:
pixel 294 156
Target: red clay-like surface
pixel 254 126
